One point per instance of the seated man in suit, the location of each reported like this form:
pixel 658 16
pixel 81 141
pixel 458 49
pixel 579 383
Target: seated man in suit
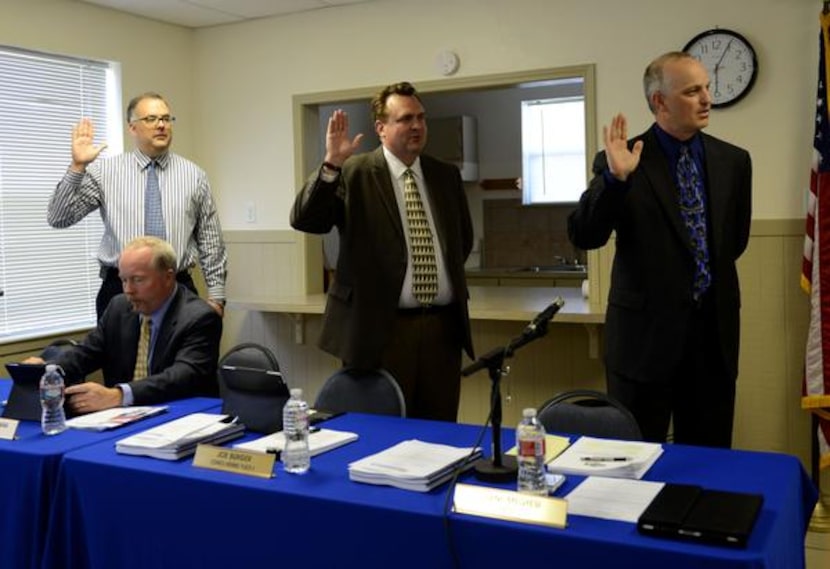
pixel 155 342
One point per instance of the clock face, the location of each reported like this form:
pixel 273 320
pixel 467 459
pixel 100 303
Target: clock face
pixel 730 60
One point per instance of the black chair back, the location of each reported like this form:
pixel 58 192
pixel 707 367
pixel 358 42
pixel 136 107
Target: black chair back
pixel 361 391
pixel 250 354
pixel 252 387
pixel 591 413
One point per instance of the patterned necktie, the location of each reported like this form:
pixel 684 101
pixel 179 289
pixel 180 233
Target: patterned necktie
pixel 693 210
pixel 143 353
pixel 153 215
pixel 424 269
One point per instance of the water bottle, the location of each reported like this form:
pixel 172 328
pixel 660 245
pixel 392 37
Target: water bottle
pixel 530 442
pixel 53 418
pixel 296 458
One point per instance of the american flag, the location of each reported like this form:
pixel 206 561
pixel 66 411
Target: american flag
pixel 815 272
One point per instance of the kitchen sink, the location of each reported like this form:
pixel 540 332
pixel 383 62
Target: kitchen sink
pixel 558 268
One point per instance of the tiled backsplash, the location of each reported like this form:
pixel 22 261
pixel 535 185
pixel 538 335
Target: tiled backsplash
pixel 521 236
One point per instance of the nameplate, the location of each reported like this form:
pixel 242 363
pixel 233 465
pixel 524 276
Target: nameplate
pixel 247 462
pixel 8 428
pixel 509 505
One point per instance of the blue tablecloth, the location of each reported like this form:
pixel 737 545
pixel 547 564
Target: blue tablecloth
pixel 124 511
pixel 29 472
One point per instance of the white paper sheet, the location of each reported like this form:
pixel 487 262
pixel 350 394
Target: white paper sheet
pixel 612 498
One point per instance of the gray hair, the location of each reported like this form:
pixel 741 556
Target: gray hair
pixel 164 257
pixel 138 98
pixel 653 80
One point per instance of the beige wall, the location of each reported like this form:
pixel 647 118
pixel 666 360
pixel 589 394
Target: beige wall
pixel 153 56
pixel 246 75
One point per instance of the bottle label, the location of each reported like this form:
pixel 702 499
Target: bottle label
pixel 533 447
pixel 52 393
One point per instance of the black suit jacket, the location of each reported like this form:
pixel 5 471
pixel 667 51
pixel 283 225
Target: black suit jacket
pixel 184 357
pixel 371 266
pixel 650 299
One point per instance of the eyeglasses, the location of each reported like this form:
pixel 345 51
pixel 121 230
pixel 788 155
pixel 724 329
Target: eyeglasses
pixel 152 120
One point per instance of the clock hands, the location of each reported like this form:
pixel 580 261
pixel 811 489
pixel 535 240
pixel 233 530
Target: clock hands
pixel 717 65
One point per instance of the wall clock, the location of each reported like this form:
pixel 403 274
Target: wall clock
pixel 730 60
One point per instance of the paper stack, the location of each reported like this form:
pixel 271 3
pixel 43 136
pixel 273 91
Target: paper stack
pixel 112 418
pixel 590 456
pixel 413 465
pixel 318 442
pixel 179 438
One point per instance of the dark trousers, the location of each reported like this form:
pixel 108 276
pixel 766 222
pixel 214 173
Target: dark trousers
pixel 424 356
pixel 699 397
pixel 111 287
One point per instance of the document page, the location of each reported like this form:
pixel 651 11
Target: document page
pixel 318 442
pixel 612 498
pixel 554 445
pixel 412 465
pixel 590 456
pixel 190 427
pixel 112 418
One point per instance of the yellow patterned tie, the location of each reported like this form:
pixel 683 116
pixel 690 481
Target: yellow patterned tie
pixel 143 353
pixel 424 269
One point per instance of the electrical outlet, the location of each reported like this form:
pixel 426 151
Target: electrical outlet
pixel 250 212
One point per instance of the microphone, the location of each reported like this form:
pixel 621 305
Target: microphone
pixel 540 322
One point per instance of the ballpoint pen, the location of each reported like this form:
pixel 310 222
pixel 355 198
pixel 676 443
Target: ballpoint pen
pixel 605 458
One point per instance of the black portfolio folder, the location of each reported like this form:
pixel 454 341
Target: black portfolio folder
pixel 696 514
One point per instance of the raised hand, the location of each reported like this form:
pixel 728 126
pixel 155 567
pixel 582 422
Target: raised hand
pixel 622 161
pixel 84 150
pixel 338 144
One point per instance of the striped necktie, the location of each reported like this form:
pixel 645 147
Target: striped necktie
pixel 693 210
pixel 143 353
pixel 153 214
pixel 424 269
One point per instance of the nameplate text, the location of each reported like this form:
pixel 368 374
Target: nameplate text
pixel 510 505
pixel 247 462
pixel 8 428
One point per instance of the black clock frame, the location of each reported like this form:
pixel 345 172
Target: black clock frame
pixel 746 42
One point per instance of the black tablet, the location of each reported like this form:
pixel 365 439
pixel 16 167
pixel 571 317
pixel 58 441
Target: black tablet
pixel 24 398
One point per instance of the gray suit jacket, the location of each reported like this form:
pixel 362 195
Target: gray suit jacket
pixel 363 300
pixel 184 357
pixel 650 300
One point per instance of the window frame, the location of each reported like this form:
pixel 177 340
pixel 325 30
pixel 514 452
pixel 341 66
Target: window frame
pixel 546 151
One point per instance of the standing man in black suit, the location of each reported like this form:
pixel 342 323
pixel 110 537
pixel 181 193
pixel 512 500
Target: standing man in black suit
pixel 680 203
pixel 393 305
pixel 180 354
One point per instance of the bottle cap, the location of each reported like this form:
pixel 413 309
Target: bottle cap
pixel 51 368
pixel 296 392
pixel 529 412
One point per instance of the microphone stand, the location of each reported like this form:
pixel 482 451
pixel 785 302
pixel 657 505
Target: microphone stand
pixel 501 468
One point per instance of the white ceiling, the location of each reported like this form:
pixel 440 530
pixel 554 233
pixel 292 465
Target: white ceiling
pixel 201 13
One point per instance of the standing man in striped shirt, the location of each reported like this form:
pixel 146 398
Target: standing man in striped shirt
pixel 149 191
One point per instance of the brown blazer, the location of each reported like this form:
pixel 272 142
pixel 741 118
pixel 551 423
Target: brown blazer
pixel 363 300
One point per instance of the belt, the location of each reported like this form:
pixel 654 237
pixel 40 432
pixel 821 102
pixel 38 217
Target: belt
pixel 425 309
pixel 112 273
